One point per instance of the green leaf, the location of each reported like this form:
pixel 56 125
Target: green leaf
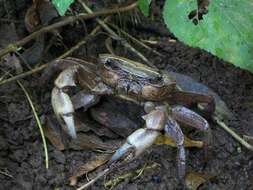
pixel 144 6
pixel 226 30
pixel 62 5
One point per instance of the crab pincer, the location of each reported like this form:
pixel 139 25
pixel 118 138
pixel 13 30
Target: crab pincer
pixel 157 122
pixel 61 101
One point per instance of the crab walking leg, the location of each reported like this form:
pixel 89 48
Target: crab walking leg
pixel 173 130
pixel 135 144
pixel 189 118
pixel 61 101
pixel 84 100
pixel 196 98
pixel 141 139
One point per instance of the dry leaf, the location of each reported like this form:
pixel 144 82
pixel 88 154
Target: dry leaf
pixel 41 12
pixel 83 124
pixel 194 180
pixel 31 18
pixel 53 134
pixel 82 142
pixel 88 167
pixel 164 139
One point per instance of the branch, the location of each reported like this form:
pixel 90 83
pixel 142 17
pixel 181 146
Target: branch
pixel 116 36
pixel 68 20
pixel 233 134
pixel 40 68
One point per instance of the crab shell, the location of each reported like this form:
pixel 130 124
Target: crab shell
pixel 140 80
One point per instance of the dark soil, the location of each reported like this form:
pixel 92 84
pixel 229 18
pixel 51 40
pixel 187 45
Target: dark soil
pixel 22 156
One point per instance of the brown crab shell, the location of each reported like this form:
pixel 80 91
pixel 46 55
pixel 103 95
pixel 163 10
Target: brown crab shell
pixel 152 92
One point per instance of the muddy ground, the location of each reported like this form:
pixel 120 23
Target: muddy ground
pixel 22 156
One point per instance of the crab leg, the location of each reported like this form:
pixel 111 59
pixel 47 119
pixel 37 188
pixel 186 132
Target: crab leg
pixel 190 98
pixel 84 100
pixel 189 118
pixel 173 130
pixel 142 138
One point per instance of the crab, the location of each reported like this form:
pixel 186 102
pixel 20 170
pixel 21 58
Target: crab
pixel 166 105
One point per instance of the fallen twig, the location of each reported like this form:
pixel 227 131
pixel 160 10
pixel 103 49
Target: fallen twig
pixel 6 173
pixel 155 42
pixel 86 185
pixel 37 120
pixel 232 133
pixel 132 174
pixel 116 36
pixel 40 68
pixel 10 20
pixel 38 123
pixel 135 40
pixel 113 182
pixel 13 47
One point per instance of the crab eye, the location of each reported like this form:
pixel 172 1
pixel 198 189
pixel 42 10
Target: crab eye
pixel 111 63
pixel 155 80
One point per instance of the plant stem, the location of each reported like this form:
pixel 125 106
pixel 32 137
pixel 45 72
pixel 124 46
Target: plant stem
pixel 37 121
pixel 36 118
pixel 232 133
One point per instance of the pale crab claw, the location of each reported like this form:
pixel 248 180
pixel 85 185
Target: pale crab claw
pixel 141 139
pixel 61 101
pixel 136 144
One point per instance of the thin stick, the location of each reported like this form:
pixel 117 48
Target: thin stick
pixel 68 20
pixel 91 182
pixel 131 174
pixel 40 68
pixel 116 36
pixel 38 123
pixel 6 174
pixel 22 75
pixel 37 120
pixel 232 133
pixel 10 20
pixel 135 40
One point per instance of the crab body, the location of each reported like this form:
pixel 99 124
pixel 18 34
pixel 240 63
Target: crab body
pixel 135 80
pixel 131 81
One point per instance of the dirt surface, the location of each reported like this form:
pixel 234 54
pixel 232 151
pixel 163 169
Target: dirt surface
pixel 22 158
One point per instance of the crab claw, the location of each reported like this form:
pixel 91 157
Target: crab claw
pixel 141 139
pixel 136 144
pixel 61 101
pixel 64 109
